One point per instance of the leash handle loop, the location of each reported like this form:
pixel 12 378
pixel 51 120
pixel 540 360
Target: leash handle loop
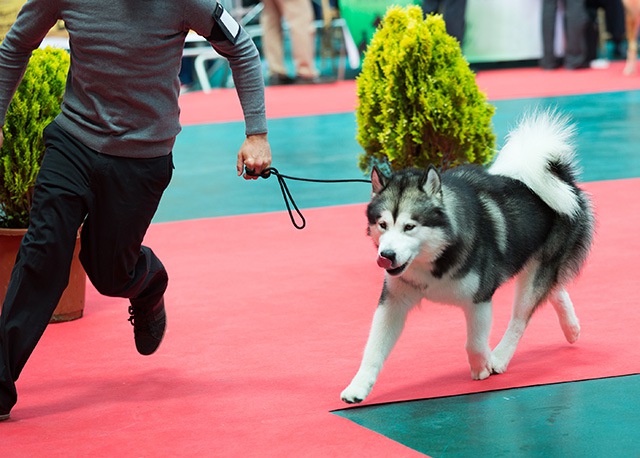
pixel 286 194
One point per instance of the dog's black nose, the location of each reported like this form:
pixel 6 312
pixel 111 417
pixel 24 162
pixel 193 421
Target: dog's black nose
pixel 390 255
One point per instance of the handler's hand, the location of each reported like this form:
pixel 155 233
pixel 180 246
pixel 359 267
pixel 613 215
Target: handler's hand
pixel 254 154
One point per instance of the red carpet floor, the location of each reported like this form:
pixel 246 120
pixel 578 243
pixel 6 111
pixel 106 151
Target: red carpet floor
pixel 266 327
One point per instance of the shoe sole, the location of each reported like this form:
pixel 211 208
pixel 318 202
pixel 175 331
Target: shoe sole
pixel 5 416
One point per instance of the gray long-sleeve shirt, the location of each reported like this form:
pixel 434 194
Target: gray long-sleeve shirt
pixel 122 91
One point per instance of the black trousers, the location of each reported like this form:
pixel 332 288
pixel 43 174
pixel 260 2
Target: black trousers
pixel 453 13
pixel 575 26
pixel 114 200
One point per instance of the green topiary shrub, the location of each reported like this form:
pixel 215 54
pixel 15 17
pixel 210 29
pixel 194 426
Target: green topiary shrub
pixel 418 101
pixel 35 104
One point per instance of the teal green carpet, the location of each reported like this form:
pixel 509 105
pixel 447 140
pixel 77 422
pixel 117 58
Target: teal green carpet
pixel 597 418
pixel 205 184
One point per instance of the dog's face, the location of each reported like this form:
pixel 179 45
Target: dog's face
pixel 406 218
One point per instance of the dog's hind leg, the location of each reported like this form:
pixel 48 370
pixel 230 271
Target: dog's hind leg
pixel 530 292
pixel 478 318
pixel 563 306
pixel 388 323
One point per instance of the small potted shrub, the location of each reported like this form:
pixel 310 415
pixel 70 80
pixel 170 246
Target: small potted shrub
pixel 35 104
pixel 418 101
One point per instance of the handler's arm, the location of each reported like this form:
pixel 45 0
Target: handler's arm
pixel 32 24
pixel 246 67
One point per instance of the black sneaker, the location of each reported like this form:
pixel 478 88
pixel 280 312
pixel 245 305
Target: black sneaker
pixel 4 416
pixel 148 327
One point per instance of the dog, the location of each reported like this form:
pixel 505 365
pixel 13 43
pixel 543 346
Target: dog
pixel 632 24
pixel 455 237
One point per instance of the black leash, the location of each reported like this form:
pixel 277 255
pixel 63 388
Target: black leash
pixel 286 194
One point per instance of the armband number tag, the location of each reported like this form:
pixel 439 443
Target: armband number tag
pixel 227 23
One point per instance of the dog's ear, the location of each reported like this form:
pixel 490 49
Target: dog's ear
pixel 431 182
pixel 378 180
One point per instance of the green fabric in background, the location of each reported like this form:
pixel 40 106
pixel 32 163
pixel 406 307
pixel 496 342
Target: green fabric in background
pixel 362 17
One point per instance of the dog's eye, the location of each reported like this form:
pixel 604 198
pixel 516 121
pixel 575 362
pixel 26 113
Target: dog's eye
pixel 382 225
pixel 409 227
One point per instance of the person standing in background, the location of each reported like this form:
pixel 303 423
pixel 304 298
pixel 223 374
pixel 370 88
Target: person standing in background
pixel 614 22
pixel 453 12
pixel 298 14
pixel 632 21
pixel 575 24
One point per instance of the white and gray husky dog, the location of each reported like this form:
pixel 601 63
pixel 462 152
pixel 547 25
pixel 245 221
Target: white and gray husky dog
pixel 455 237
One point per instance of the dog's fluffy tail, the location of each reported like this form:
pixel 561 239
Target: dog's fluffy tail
pixel 540 153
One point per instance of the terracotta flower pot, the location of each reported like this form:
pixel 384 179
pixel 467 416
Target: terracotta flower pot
pixel 71 305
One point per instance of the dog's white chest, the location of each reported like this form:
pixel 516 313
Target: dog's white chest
pixel 444 290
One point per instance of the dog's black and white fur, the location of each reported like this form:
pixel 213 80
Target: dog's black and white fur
pixel 455 237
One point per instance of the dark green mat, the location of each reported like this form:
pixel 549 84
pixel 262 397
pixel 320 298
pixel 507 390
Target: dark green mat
pixel 598 418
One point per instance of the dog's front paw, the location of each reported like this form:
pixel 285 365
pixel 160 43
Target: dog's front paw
pixel 480 364
pixel 481 374
pixel 499 366
pixel 500 358
pixel 354 394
